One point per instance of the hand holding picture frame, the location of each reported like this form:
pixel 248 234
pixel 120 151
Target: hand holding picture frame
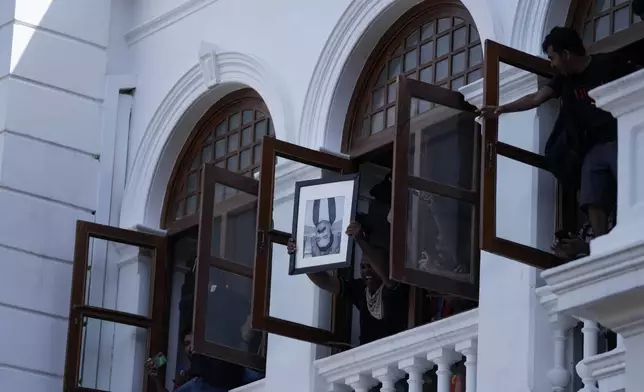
pixel 322 210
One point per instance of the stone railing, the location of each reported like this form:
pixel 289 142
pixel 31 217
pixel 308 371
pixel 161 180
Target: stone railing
pixel 605 369
pixel 408 355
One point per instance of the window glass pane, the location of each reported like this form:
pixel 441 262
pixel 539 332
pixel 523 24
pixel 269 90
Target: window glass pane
pixel 222 128
pixel 233 142
pixel 247 136
pixel 235 121
pixel 232 164
pixel 220 148
pixel 621 20
pixel 444 24
pixel 247 116
pixel 410 60
pixel 427 31
pixel 427 52
pixel 244 159
pixel 427 74
pixel 601 5
pixel 458 83
pixel 391 92
pixel 228 312
pixel 442 147
pixel 602 27
pixel 412 39
pixel 192 182
pixel 441 70
pixel 458 63
pixel 474 34
pixel 391 116
pixel 125 356
pixel 257 154
pixel 206 154
pixel 394 68
pixel 474 76
pixel 191 204
pixel 588 33
pixel 476 55
pixel 378 98
pixel 260 130
pixel 460 37
pixel 442 46
pixel 104 254
pixel 377 122
pixel 439 236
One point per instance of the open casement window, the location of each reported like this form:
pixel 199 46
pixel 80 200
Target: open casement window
pixel 434 241
pixel 132 325
pixel 513 158
pixel 273 236
pixel 224 269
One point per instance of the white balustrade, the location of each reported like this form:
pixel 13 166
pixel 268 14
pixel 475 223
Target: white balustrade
pixel 439 344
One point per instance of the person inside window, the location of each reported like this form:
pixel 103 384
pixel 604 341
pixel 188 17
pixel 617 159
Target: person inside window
pixel 203 374
pixel 381 302
pixel 592 132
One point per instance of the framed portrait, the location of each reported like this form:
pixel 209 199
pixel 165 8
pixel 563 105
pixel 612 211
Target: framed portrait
pixel 322 211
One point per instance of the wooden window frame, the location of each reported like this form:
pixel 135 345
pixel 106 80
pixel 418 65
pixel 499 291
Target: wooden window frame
pixel 495 54
pixel 155 323
pixel 339 335
pixel 212 175
pixel 402 181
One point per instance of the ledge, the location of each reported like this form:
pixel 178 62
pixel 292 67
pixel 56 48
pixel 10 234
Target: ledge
pixel 584 282
pixel 514 83
pixel 621 96
pixel 609 369
pixel 416 342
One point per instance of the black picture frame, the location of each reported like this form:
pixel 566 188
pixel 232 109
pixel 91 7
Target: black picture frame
pixel 346 260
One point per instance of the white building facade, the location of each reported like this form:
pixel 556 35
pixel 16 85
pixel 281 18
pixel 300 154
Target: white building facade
pixel 177 129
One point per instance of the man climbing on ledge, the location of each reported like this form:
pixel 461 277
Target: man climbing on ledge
pixel 583 150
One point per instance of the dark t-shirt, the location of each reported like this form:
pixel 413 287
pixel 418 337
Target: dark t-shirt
pixel 597 126
pixel 395 306
pixel 216 373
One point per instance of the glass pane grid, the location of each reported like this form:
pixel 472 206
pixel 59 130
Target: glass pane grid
pixel 234 143
pixel 444 51
pixel 607 17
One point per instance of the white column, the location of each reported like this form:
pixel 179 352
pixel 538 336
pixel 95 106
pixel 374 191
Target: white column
pixel 444 359
pixel 388 377
pixel 415 368
pixel 469 350
pixel 360 382
pixel 559 375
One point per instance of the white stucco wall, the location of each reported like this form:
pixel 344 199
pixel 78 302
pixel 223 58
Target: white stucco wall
pixel 62 64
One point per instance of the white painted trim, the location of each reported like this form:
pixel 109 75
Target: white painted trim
pixel 257 386
pixel 532 21
pixel 514 83
pixel 621 96
pixel 165 20
pixel 236 69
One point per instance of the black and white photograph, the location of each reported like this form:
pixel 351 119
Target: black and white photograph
pixel 323 208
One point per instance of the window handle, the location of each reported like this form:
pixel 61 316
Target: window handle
pixel 490 147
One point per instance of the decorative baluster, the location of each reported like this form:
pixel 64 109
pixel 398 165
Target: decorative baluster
pixel 444 358
pixel 388 377
pixel 590 332
pixel 335 387
pixel 559 376
pixel 360 382
pixel 469 350
pixel 415 368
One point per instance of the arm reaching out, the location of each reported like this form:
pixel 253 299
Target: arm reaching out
pixel 375 257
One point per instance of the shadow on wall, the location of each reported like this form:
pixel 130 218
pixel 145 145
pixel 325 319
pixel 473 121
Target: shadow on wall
pixel 54 57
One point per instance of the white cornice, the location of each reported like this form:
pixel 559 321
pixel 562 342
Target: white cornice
pixel 621 96
pixel 514 83
pixel 597 277
pixel 417 342
pixel 608 368
pixel 169 18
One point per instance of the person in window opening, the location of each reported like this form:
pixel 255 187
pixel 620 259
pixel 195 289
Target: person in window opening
pixel 382 303
pixel 594 129
pixel 203 374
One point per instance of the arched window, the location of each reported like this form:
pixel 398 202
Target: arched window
pixel 230 135
pixel 435 42
pixel 603 23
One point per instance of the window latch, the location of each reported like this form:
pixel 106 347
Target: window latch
pixel 490 146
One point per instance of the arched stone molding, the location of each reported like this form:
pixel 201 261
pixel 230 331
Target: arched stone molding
pixel 353 38
pixel 533 20
pixel 179 112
